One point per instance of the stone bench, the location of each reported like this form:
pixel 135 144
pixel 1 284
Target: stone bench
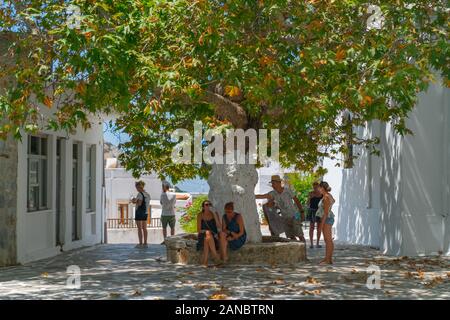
pixel 182 249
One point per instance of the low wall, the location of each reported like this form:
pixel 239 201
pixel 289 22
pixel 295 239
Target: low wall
pixel 272 251
pixel 155 236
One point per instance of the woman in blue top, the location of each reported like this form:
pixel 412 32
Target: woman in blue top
pixel 233 228
pixel 209 235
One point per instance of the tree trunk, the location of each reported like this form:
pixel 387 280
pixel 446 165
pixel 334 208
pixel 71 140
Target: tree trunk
pixel 236 183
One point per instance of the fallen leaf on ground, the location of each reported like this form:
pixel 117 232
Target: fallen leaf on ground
pixel 137 293
pixel 420 274
pixel 218 296
pixel 312 280
pixel 221 294
pixel 114 295
pixel 44 274
pixel 278 281
pixel 434 282
pixel 313 292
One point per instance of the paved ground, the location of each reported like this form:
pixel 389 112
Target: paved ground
pixel 119 271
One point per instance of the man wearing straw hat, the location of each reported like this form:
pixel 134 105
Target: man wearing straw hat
pixel 290 207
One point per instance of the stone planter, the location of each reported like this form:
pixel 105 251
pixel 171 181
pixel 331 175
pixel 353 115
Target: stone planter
pixel 272 251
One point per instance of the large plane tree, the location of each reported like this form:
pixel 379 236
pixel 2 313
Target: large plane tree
pixel 292 65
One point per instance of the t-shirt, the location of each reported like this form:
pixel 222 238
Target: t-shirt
pixel 285 201
pixel 168 200
pixel 147 199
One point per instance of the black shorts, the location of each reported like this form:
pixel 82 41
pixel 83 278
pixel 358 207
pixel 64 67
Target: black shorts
pixel 140 216
pixel 312 216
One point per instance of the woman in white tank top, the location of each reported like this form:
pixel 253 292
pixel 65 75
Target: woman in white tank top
pixel 326 221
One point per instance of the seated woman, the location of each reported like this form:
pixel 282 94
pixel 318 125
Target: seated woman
pixel 233 228
pixel 209 235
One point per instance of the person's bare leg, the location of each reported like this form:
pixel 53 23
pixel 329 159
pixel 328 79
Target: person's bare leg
pixel 211 244
pixel 223 246
pixel 328 244
pixel 330 251
pixel 318 233
pixel 165 232
pixel 172 230
pixel 145 232
pixel 138 223
pixel 205 253
pixel 311 233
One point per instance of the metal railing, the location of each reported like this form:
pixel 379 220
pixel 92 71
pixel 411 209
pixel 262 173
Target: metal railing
pixel 119 223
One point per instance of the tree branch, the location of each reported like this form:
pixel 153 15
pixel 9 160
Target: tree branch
pixel 227 110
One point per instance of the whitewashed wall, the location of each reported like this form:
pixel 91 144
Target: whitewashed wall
pixel 426 175
pixel 357 194
pixel 36 231
pixel 400 201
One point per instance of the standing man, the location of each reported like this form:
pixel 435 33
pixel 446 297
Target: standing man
pixel 290 207
pixel 167 200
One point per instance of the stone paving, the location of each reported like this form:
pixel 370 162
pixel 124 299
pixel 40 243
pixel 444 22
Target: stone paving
pixel 120 271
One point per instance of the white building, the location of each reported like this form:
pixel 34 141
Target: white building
pixel 50 190
pixel 53 194
pixel 400 201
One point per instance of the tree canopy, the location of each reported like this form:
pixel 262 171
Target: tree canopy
pixel 293 65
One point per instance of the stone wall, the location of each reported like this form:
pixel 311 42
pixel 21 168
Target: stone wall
pixel 8 202
pixel 181 249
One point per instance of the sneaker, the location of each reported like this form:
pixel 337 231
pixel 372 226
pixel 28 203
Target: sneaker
pixel 145 246
pixel 318 246
pixel 311 247
pixel 138 246
pixel 163 243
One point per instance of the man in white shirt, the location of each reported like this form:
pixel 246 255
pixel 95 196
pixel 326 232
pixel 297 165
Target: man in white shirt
pixel 167 200
pixel 290 207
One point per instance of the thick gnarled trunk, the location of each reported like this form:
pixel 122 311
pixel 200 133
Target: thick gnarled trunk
pixel 236 183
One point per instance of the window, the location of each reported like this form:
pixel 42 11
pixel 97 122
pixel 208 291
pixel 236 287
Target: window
pixel 37 173
pixel 90 178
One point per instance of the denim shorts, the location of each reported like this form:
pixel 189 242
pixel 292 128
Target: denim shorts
pixel 329 220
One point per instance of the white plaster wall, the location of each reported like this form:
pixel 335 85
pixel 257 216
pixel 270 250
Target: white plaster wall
pixel 37 230
pixel 357 194
pixel 400 201
pixel 425 182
